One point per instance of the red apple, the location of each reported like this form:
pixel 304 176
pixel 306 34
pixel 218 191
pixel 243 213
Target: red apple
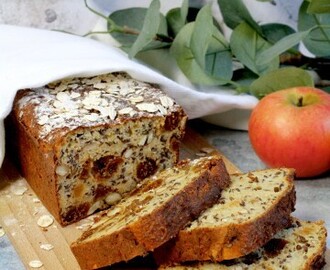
pixel 291 128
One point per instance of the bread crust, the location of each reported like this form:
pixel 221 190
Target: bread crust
pixel 300 246
pixel 163 223
pixel 233 240
pixel 36 164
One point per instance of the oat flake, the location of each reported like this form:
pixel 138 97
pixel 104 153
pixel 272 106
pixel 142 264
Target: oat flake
pixel 91 117
pixel 166 101
pixel 18 190
pixel 207 150
pixel 148 107
pixel 161 109
pixel 45 221
pixel 35 264
pixel 47 247
pixel 75 95
pixel 36 200
pixel 112 113
pixel 2 232
pixel 125 110
pixel 43 120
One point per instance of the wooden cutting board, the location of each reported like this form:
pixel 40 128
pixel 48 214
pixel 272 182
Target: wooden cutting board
pixel 19 214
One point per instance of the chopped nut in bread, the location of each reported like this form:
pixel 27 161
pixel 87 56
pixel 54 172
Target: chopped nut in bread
pixel 254 207
pixel 152 214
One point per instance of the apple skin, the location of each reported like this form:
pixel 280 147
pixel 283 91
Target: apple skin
pixel 291 128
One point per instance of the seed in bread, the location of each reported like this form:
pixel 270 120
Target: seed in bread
pixel 301 246
pixel 86 142
pixel 152 214
pixel 251 210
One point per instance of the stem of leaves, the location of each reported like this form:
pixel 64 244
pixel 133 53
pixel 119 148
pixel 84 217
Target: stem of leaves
pixel 122 29
pixel 113 26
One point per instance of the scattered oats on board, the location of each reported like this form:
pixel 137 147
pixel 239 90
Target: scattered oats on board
pixel 204 151
pixel 2 232
pixel 85 224
pixel 45 221
pixel 35 200
pixel 36 212
pixel 19 188
pixel 35 264
pixel 207 150
pixel 47 247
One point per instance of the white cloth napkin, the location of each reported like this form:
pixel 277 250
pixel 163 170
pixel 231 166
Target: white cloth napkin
pixel 33 57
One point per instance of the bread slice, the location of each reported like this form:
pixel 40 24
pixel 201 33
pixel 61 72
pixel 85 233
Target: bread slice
pixel 255 207
pixel 153 214
pixel 301 246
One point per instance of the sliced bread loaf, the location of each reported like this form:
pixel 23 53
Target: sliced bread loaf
pixel 152 214
pixel 254 207
pixel 84 143
pixel 301 246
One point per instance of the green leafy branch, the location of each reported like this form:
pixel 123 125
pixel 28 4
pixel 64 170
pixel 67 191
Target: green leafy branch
pixel 267 55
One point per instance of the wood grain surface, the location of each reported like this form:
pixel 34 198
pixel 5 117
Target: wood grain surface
pixel 19 214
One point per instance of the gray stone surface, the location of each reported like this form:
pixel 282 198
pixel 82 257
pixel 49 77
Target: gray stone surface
pixel 70 16
pixel 9 259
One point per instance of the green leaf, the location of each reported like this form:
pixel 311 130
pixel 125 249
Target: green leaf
pixel 280 47
pixel 244 77
pixel 234 12
pixel 133 27
pixel 319 6
pixel 273 32
pixel 326 89
pixel 218 60
pixel 280 79
pixel 184 11
pixel 201 35
pixel 176 17
pixel 186 61
pixel 149 29
pixel 135 23
pixel 246 44
pixel 318 40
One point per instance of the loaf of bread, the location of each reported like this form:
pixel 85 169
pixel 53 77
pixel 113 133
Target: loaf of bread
pixel 300 247
pixel 84 143
pixel 152 214
pixel 250 212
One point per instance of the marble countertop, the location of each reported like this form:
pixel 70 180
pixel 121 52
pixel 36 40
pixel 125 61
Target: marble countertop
pixel 312 195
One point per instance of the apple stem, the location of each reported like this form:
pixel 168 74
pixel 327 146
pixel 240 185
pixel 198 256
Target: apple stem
pixel 300 102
